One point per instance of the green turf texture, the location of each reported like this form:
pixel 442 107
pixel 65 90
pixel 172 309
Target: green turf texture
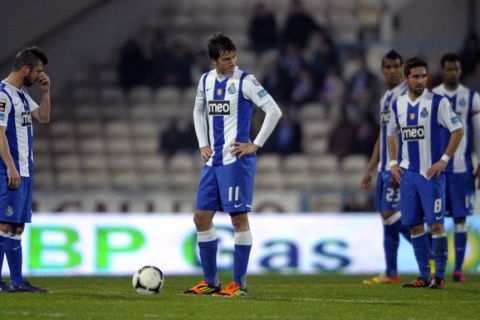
pixel 272 297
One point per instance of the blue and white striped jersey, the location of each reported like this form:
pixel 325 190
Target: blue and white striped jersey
pixel 223 113
pixel 464 103
pixel 385 106
pixel 16 107
pixel 423 124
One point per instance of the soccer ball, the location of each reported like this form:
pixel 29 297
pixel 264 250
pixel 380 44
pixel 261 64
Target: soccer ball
pixel 148 280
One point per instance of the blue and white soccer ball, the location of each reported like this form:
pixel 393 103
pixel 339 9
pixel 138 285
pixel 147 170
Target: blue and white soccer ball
pixel 148 280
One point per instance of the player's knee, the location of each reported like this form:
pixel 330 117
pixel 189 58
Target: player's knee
pixel 202 221
pixel 240 222
pixel 417 229
pixel 437 229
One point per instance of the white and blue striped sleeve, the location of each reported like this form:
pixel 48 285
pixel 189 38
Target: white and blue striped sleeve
pixel 392 126
pixel 5 107
pixel 447 117
pixel 200 116
pixel 253 91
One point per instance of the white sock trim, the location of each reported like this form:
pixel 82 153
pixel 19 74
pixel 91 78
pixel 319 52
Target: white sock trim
pixel 417 235
pixel 15 236
pixel 392 219
pixel 439 235
pixel 206 236
pixel 461 227
pixel 243 238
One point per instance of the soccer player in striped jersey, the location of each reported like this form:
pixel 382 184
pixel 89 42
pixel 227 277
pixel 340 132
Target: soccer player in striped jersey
pixel 17 109
pixel 424 119
pixel 222 117
pixel 460 181
pixel 387 193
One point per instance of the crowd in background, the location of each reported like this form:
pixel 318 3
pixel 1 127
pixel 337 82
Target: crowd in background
pixel 301 64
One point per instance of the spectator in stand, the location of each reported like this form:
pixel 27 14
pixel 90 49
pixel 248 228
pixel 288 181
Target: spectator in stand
pixel 132 66
pixel 363 91
pixel 473 80
pixel 367 134
pixel 292 61
pixel 262 29
pixel 277 80
pixel 299 26
pixel 175 139
pixel 179 70
pixel 287 137
pixel 470 54
pixel 342 140
pixel 332 92
pixel 325 57
pixel 159 62
pixel 303 90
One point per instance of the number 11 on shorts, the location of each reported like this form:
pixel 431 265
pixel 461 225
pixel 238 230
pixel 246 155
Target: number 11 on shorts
pixel 231 195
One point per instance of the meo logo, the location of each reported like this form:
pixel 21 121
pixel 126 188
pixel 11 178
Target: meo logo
pixel 26 119
pixel 385 117
pixel 219 108
pixel 413 133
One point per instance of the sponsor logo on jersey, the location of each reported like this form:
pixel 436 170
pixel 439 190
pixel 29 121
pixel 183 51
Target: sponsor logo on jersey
pixel 262 93
pixel 26 119
pixel 9 212
pixel 462 102
pixel 385 117
pixel 413 133
pixel 424 113
pixel 219 107
pixel 3 103
pixel 454 119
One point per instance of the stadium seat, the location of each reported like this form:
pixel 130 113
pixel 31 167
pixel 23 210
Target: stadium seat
pixel 121 164
pixel 96 180
pixel 355 163
pixel 111 94
pixel 326 202
pixel 181 162
pixel 301 181
pixel 64 145
pixel 93 163
pixel 150 163
pixel 269 181
pixel 327 181
pixel 167 95
pixel 67 162
pixel 296 163
pixel 117 129
pixel 89 128
pixel 69 180
pixel 119 146
pixel 140 94
pixel 268 163
pixel 124 180
pixel 93 145
pixel 324 163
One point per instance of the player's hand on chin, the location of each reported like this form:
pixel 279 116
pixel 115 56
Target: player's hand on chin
pixel 241 149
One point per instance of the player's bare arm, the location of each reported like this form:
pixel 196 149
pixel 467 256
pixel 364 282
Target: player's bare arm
pixel 372 164
pixel 241 149
pixel 437 168
pixel 42 114
pixel 12 172
pixel 392 154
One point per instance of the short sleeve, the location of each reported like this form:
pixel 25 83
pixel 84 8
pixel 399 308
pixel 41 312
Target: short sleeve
pixel 5 107
pixel 392 127
pixel 446 117
pixel 31 103
pixel 475 103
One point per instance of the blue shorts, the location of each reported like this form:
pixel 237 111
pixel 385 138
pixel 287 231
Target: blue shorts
pixel 387 195
pixel 460 194
pixel 16 205
pixel 227 188
pixel 422 200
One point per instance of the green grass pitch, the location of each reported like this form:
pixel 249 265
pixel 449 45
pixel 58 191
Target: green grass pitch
pixel 272 297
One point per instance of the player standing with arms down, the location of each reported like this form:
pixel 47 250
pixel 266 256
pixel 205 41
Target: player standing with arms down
pixel 387 192
pixel 222 117
pixel 16 164
pixel 424 119
pixel 460 182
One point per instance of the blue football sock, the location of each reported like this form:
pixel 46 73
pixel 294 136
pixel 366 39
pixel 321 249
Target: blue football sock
pixel 405 231
pixel 2 254
pixel 460 247
pixel 208 244
pixel 421 250
pixel 13 251
pixel 440 249
pixel 391 240
pixel 243 245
